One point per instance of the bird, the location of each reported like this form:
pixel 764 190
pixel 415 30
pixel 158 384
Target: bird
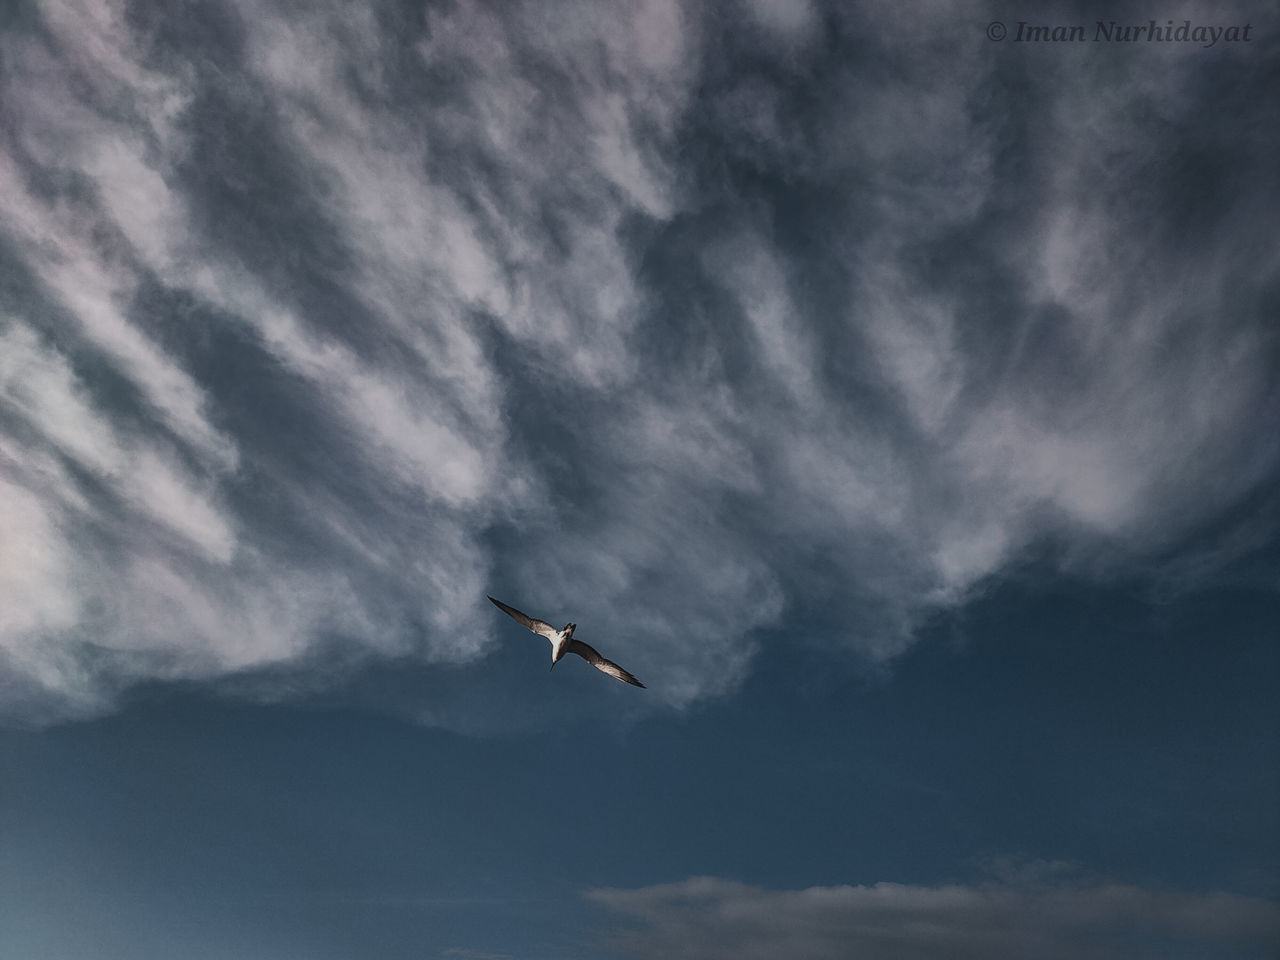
pixel 562 642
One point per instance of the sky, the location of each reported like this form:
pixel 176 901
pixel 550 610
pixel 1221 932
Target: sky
pixel 898 399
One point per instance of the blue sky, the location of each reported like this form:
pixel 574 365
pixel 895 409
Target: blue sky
pixel 897 403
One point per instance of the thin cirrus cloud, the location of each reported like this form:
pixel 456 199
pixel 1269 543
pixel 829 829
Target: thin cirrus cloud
pixel 320 324
pixel 705 918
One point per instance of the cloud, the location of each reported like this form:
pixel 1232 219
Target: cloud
pixel 320 325
pixel 707 918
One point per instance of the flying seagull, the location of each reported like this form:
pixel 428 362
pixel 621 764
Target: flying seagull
pixel 562 642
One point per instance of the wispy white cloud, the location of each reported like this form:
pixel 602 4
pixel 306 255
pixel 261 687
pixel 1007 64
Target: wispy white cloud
pixel 38 384
pixel 686 313
pixel 708 918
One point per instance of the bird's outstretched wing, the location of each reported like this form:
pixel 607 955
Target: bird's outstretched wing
pixel 588 653
pixel 540 627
